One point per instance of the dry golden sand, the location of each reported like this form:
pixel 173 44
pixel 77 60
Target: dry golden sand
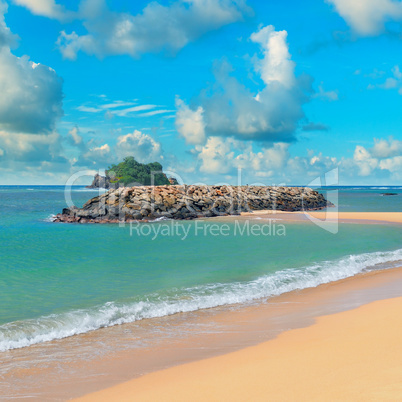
pixel 390 217
pixel 350 356
pixel 395 217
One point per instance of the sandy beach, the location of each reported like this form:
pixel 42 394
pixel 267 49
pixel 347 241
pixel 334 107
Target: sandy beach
pixel 200 201
pixel 366 217
pixel 354 355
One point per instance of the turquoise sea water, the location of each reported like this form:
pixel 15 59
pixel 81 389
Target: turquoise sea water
pixel 57 280
pixel 367 198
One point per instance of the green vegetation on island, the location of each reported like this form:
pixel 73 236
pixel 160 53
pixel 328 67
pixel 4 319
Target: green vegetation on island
pixel 131 173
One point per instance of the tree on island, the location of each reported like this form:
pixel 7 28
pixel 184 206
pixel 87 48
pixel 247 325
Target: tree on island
pixel 131 173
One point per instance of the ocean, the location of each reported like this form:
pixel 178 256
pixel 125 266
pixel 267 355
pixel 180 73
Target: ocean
pixel 60 280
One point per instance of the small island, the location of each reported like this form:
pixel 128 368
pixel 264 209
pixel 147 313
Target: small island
pixel 144 203
pixel 130 173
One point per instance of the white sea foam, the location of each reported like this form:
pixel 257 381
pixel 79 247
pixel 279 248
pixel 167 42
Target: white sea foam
pixel 160 219
pixel 20 334
pixel 89 190
pixel 50 218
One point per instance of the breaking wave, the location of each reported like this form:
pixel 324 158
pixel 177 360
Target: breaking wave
pixel 24 333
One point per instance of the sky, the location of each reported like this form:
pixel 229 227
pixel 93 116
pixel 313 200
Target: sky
pixel 217 91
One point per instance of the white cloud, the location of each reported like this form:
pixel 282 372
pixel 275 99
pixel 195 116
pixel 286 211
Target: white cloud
pixel 276 64
pixel 100 155
pixel 364 160
pixel 157 28
pixel 31 93
pixel 190 123
pixel 89 109
pixel 264 162
pixel 30 148
pixel 385 155
pixel 116 104
pixel 118 108
pixel 142 146
pixel 216 156
pixel 155 112
pixel 220 157
pixel 368 17
pixel 393 82
pixel 386 148
pixel 394 165
pixel 134 109
pixel 46 8
pixel 30 106
pixel 230 109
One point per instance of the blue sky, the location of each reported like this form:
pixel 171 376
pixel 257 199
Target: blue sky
pixel 283 90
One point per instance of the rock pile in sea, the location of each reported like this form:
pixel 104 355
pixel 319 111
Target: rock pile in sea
pixel 189 202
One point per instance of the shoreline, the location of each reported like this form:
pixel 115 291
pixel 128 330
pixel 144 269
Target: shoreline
pixel 331 359
pixel 203 334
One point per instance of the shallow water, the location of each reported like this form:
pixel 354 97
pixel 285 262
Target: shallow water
pixel 58 280
pixel 366 198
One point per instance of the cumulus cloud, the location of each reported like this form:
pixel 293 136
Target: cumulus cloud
pixel 384 155
pixel 30 106
pixel 157 28
pixel 142 146
pixel 46 8
pixel 190 123
pixel 215 156
pixel 33 149
pixel 31 94
pixel 364 160
pixel 220 157
pixel 230 109
pixel 265 162
pixel 386 148
pixel 368 17
pixel 394 165
pixel 276 66
pixel 97 156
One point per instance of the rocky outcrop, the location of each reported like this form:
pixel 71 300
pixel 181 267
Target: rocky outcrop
pixel 189 202
pixel 102 182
